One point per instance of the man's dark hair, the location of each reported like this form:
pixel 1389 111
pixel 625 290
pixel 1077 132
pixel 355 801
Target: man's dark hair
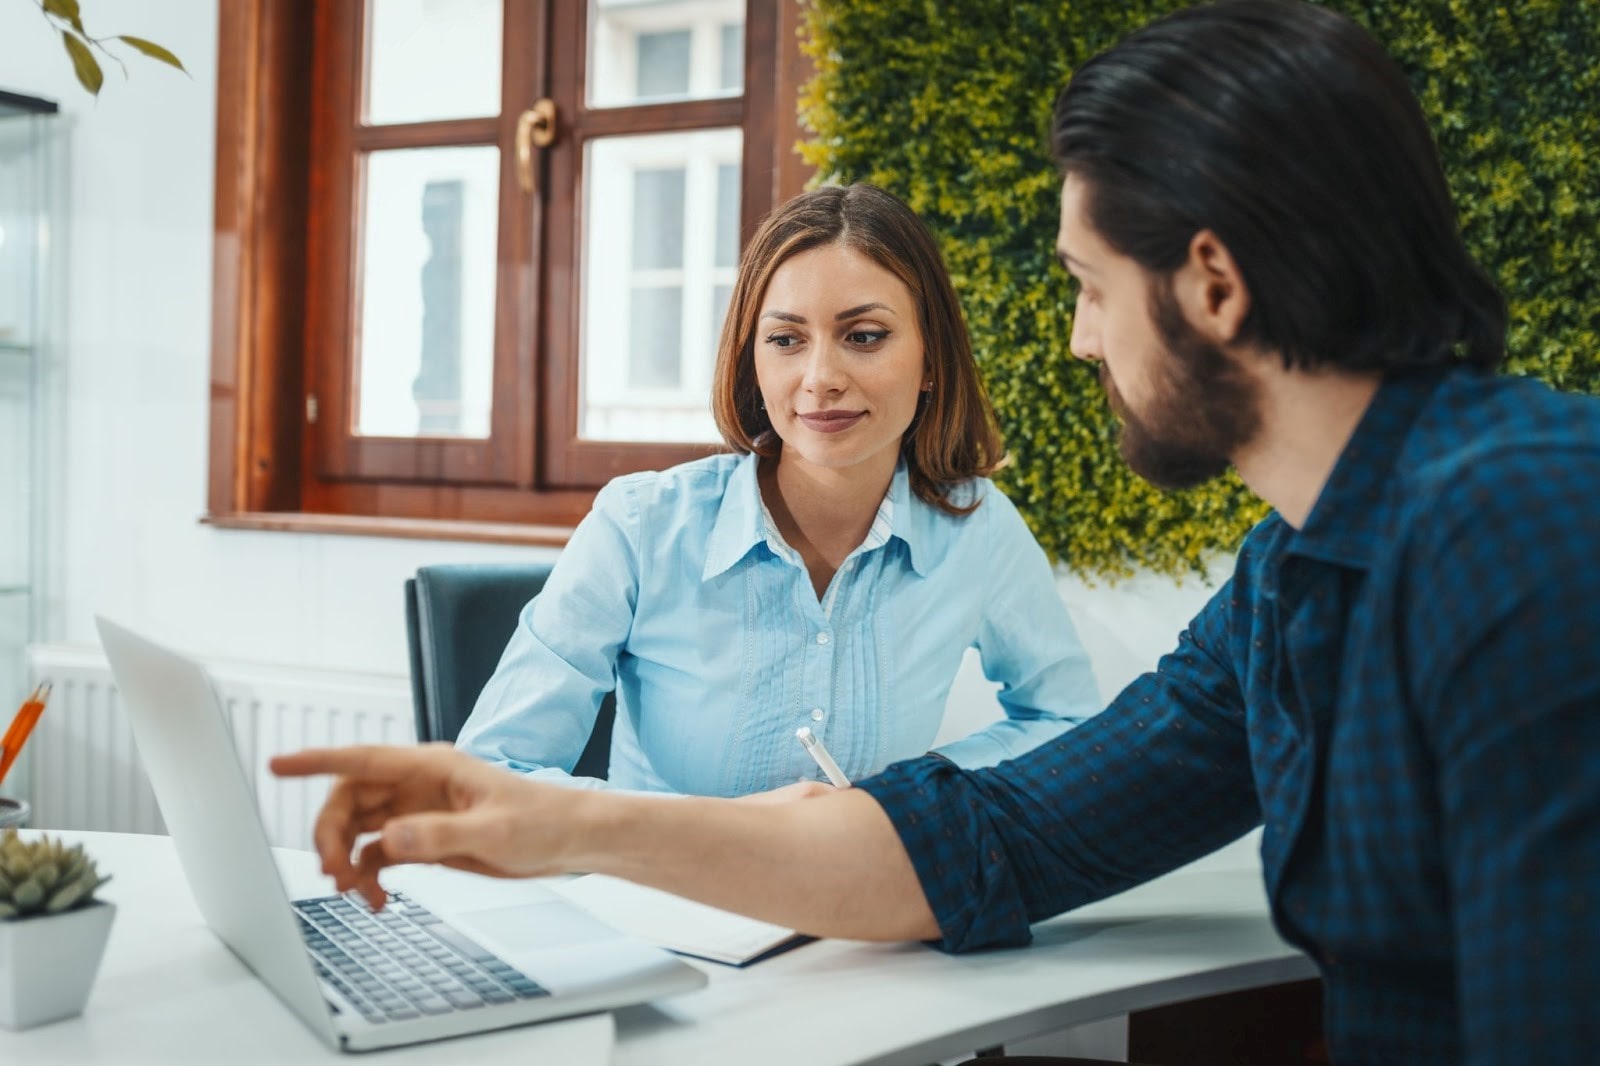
pixel 1285 129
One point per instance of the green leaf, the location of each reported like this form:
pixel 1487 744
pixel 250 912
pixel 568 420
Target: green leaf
pixel 83 64
pixel 28 895
pixel 66 896
pixel 66 10
pixel 153 50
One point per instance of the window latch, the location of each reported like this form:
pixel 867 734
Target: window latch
pixel 536 128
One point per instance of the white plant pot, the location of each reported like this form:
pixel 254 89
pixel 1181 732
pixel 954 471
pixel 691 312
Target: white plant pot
pixel 47 965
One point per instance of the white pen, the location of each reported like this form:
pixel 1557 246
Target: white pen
pixel 824 760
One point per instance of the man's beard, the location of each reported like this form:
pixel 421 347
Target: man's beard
pixel 1202 410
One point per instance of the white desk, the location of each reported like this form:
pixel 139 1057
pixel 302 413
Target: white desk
pixel 169 992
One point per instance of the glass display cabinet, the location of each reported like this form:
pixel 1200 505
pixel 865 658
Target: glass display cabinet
pixel 29 188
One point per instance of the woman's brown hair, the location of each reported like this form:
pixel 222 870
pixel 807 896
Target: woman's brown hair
pixel 952 437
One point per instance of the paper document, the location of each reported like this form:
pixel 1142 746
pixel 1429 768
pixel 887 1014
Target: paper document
pixel 675 923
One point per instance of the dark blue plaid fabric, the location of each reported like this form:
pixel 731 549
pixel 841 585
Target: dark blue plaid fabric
pixel 1406 692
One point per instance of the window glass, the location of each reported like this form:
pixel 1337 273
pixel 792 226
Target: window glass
pixel 663 50
pixel 432 59
pixel 657 270
pixel 425 322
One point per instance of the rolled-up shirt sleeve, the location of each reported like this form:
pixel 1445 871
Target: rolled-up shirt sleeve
pixel 1161 777
pixel 538 709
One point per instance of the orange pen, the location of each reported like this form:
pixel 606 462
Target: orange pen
pixel 17 735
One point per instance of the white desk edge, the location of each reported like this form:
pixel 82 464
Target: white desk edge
pixel 169 992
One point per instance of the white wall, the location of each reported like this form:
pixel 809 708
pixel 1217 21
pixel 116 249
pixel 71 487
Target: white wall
pixel 137 348
pixel 134 438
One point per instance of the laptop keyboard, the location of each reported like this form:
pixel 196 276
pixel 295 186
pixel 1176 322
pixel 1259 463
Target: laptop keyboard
pixel 403 962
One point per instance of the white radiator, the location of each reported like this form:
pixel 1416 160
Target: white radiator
pixel 83 772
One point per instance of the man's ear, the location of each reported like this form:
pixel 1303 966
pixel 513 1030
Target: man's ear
pixel 1210 290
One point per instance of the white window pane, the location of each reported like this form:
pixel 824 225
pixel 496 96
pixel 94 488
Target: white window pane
pixel 661 65
pixel 655 342
pixel 732 57
pixel 727 216
pixel 649 51
pixel 426 319
pixel 656 283
pixel 721 296
pixel 432 59
pixel 658 218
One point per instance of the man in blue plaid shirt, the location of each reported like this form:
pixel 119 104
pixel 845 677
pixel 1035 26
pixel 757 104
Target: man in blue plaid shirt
pixel 1400 681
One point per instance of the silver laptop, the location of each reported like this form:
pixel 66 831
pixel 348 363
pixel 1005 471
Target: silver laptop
pixel 436 962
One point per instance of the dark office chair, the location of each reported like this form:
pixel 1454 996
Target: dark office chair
pixel 458 620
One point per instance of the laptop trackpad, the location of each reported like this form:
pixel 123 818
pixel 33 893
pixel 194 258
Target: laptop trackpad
pixel 533 926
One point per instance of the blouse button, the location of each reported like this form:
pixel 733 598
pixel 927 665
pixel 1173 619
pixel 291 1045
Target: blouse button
pixel 816 714
pixel 822 638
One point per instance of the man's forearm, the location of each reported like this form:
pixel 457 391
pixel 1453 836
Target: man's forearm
pixel 829 866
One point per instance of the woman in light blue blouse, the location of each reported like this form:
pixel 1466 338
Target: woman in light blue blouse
pixel 830 573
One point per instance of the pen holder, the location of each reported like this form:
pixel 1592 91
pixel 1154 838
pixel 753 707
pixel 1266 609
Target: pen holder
pixel 13 813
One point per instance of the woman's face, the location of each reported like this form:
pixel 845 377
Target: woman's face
pixel 839 360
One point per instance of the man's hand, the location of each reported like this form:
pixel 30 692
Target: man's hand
pixel 807 856
pixel 428 804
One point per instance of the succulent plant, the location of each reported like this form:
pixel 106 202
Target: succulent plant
pixel 43 876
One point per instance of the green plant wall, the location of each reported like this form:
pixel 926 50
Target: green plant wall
pixel 947 104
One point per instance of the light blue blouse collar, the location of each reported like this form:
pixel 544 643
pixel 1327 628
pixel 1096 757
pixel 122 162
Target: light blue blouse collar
pixel 740 524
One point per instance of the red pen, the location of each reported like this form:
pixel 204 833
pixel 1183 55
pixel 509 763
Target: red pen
pixel 17 735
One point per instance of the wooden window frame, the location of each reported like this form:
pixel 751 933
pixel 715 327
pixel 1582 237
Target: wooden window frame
pixel 271 467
